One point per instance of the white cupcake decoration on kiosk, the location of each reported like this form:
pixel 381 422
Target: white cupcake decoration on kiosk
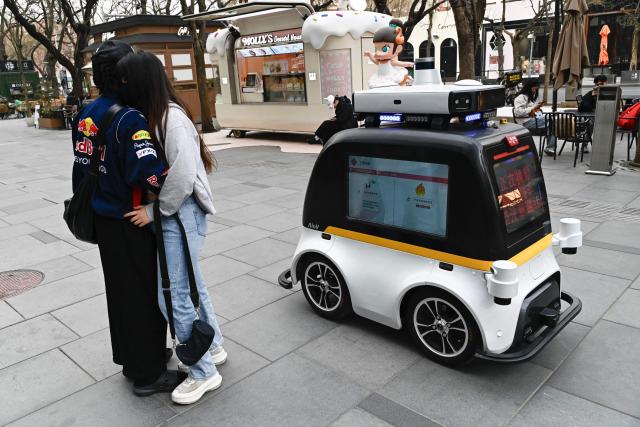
pixel 319 26
pixel 216 42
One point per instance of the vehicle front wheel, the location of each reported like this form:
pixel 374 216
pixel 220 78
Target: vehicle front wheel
pixel 324 288
pixel 441 326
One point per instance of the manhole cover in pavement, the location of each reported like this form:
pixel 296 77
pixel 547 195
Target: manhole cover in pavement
pixel 17 281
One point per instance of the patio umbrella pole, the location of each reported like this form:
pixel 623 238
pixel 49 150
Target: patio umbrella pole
pixel 556 32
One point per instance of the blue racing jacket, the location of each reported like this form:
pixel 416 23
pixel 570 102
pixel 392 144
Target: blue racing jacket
pixel 129 164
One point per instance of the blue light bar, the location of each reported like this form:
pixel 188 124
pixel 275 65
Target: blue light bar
pixel 472 117
pixel 397 118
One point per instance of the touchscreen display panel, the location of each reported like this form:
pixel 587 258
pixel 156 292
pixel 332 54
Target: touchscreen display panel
pixel 521 192
pixel 399 193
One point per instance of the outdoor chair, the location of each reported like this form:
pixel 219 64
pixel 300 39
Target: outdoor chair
pixel 534 132
pixel 631 134
pixel 568 128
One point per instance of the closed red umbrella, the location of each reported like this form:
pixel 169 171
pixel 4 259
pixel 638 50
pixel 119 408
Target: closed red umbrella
pixel 603 58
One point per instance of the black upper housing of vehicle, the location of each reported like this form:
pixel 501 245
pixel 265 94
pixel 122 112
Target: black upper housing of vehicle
pixel 475 224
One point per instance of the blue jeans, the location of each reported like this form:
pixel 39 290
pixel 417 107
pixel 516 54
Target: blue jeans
pixel 538 123
pixel 195 223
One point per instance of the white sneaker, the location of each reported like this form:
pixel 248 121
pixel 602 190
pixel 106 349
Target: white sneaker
pixel 219 356
pixel 191 390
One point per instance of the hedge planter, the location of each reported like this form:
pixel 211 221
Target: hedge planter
pixel 51 123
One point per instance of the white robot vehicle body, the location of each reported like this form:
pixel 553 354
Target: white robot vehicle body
pixel 439 228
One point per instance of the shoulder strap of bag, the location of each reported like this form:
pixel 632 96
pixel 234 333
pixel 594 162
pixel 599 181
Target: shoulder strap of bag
pixel 164 271
pixel 102 131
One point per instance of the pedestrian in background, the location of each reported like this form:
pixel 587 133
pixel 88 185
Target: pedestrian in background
pixel 528 112
pixel 185 193
pixel 343 119
pixel 589 100
pixel 127 253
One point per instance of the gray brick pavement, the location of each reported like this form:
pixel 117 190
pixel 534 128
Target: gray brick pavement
pixel 286 365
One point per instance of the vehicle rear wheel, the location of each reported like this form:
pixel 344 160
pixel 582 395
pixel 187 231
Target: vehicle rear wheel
pixel 441 326
pixel 324 288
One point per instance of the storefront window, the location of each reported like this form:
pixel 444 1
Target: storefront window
pixel 183 75
pixel 618 40
pixel 181 59
pixel 271 67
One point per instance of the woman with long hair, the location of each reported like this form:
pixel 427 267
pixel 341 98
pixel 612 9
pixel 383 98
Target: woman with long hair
pixel 185 192
pixel 528 112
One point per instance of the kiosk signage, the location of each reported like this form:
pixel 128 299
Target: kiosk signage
pixel 275 37
pixel 604 131
pixel 335 72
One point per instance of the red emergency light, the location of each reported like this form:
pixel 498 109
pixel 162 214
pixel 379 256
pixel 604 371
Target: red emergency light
pixel 512 141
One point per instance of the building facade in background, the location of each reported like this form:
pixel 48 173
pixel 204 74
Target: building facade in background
pixel 168 38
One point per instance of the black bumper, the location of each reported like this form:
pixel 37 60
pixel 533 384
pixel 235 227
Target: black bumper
pixel 528 350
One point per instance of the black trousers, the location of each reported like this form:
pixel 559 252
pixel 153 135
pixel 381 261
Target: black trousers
pixel 138 329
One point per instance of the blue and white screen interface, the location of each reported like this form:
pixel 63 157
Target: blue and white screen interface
pixel 399 193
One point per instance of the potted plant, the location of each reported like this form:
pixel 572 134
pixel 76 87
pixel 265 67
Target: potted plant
pixel 51 118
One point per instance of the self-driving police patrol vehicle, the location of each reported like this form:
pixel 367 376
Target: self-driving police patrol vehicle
pixel 429 219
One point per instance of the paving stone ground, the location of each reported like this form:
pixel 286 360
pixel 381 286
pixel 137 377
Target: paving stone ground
pixel 287 366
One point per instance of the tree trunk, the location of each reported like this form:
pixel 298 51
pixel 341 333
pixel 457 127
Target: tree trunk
pixel 50 73
pixel 201 77
pixel 500 55
pixel 53 78
pixel 466 48
pixel 516 41
pixel 23 79
pixel 82 38
pixel 500 39
pixel 430 34
pixel 468 15
pixel 633 63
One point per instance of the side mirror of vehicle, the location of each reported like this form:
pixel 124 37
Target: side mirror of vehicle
pixel 570 236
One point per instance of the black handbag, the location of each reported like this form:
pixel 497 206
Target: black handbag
pixel 192 350
pixel 78 213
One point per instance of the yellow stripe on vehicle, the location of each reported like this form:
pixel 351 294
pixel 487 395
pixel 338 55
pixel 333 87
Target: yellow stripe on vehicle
pixel 476 264
pixel 525 255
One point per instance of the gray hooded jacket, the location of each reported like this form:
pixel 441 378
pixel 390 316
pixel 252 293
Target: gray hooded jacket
pixel 187 175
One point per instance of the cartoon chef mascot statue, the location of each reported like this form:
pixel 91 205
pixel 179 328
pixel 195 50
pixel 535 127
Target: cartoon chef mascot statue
pixel 388 42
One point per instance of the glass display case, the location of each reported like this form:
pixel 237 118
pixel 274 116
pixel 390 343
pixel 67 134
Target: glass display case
pixel 284 88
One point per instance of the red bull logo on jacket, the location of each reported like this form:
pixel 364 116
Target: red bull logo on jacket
pixel 88 127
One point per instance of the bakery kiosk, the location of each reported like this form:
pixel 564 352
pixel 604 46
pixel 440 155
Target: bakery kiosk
pixel 278 61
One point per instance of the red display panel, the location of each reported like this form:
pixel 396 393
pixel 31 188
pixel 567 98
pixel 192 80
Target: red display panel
pixel 521 194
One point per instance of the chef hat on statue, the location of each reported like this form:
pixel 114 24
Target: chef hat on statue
pixel 330 99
